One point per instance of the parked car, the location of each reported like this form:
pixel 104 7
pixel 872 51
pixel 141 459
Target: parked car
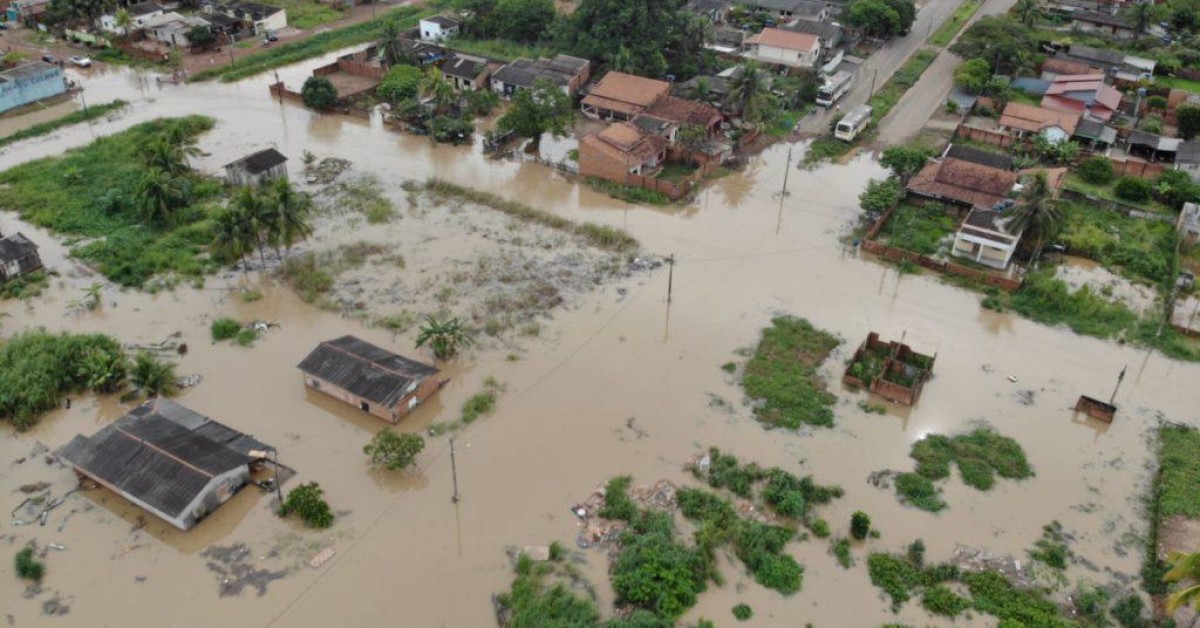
pixel 271 36
pixel 49 59
pixel 81 61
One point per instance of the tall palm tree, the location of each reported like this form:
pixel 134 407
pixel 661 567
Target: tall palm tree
pixel 1037 215
pixel 1185 568
pixel 747 87
pixel 445 337
pixel 160 153
pixel 391 43
pixel 1142 14
pixel 254 210
pixel 123 20
pixel 436 86
pixel 292 211
pixel 1028 12
pixel 153 376
pixel 232 239
pixel 105 371
pixel 159 195
pixel 184 142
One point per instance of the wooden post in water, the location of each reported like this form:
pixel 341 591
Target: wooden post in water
pixel 1120 378
pixel 670 277
pixel 453 471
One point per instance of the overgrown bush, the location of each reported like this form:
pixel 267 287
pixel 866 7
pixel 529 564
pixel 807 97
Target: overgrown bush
pixel 1133 189
pixel 1096 170
pixel 917 490
pixel 38 368
pixel 940 600
pixel 654 572
pixel 306 501
pixel 29 567
pixel 225 328
pixel 841 551
pixel 617 503
pixel 1052 548
pixel 781 377
pixel 760 547
pixel 483 402
pixel 860 525
pixel 742 612
pixel 394 451
pixel 531 603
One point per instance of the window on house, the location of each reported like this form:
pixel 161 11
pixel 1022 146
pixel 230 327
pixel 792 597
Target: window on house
pixel 366 407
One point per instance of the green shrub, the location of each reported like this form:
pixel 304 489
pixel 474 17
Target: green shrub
pixel 481 403
pixel 225 328
pixel 246 337
pixel 1052 548
pixel 781 377
pixel 724 471
pixel 1128 612
pixel 1096 170
pixel 760 547
pixel 38 368
pixel 819 528
pixel 860 525
pixel 940 600
pixel 841 551
pixel 994 595
pixel 894 575
pixel 394 451
pixel 743 612
pixel 789 496
pixel 306 276
pixel 656 573
pixel 532 604
pixel 916 553
pixel 1133 189
pixel 29 567
pixel 617 503
pixel 306 501
pixel 91 113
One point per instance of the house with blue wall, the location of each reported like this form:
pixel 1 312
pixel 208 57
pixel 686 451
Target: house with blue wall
pixel 30 82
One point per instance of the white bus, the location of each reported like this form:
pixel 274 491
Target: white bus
pixel 850 126
pixel 834 88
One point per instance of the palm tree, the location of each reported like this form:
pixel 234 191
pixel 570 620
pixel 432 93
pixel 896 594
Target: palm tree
pixel 184 142
pixel 692 137
pixel 91 296
pixel 256 213
pixel 232 239
pixel 152 376
pixel 1142 14
pixel 159 194
pixel 1028 12
pixel 123 21
pixel 435 85
pixel 747 87
pixel 161 153
pixel 1184 568
pixel 445 337
pixel 391 43
pixel 1036 215
pixel 292 210
pixel 701 91
pixel 105 371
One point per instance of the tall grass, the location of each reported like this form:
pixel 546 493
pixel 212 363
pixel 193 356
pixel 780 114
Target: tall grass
pixel 75 117
pixel 599 236
pixel 781 378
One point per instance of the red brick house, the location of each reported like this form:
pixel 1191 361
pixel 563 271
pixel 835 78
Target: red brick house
pixel 369 378
pixel 620 150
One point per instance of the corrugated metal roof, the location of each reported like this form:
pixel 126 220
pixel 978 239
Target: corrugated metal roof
pixel 367 371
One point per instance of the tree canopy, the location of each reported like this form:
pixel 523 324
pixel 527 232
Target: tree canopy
pixel 1189 121
pixel 523 20
pixel 1003 43
pixel 905 160
pixel 881 18
pixel 542 109
pixel 634 35
pixel 319 93
pixel 973 75
pixel 400 83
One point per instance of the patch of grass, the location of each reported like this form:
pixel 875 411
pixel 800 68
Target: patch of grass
pixel 841 551
pixel 250 295
pixel 365 196
pixel 979 454
pixel 916 490
pixel 904 78
pixel 729 367
pixel 29 567
pixel 533 602
pixel 781 377
pixel 992 594
pixel 629 193
pixel 316 45
pixel 246 337
pixel 826 148
pixel 306 276
pixel 617 503
pixel 1051 550
pixel 940 600
pixel 25 286
pixel 306 14
pixel 503 49
pixel 91 193
pixel 91 113
pixel 600 236
pixel 1138 249
pixel 482 402
pixel 919 228
pixel 946 32
pixel 784 121
pixel 1108 192
pixel 1179 472
pixel 674 171
pixel 1189 85
pixel 225 328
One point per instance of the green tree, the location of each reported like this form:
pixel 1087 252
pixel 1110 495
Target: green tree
pixel 1006 44
pixel 319 93
pixel 153 377
pixel 1185 569
pixel 1141 14
pixel 1133 189
pixel 860 525
pixel 201 37
pixel 973 75
pixel 391 43
pixel 1175 188
pixel 1188 118
pixel 874 17
pixel 748 88
pixel 906 10
pixel 445 337
pixel 1027 12
pixel 394 451
pixel 1036 216
pixel 255 210
pixel 158 195
pixel 400 83
pixel 905 160
pixel 123 20
pixel 693 137
pixel 436 87
pixel 307 501
pixel 161 154
pixel 523 20
pixel 293 210
pixel 544 108
pixel 1096 170
pixel 881 195
pixel 598 29
pixel 232 237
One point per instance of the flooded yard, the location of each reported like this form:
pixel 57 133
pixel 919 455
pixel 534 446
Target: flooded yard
pixel 623 381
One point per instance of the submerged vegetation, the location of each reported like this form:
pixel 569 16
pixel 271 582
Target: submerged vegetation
pixel 37 369
pixel 307 502
pixel 781 377
pixel 532 602
pixel 75 117
pixel 980 456
pixel 1173 494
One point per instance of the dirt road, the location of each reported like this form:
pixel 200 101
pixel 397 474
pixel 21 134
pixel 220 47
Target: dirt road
pixel 930 92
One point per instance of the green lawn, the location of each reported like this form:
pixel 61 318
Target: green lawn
pixel 1178 83
pixel 674 171
pixel 501 49
pixel 918 228
pixel 1073 182
pixel 1137 249
pixel 946 32
pixel 307 14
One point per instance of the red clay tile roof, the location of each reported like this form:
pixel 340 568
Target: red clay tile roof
pixel 625 143
pixel 974 184
pixel 1063 66
pixel 779 38
pixel 683 111
pixel 1034 119
pixel 626 93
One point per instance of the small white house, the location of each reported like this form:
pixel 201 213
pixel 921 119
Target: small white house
pixel 439 28
pixel 172 28
pixel 984 239
pixel 139 15
pixel 776 46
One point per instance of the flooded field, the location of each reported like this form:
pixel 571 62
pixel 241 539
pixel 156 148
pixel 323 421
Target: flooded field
pixel 404 554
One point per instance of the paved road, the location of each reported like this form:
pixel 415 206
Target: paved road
pixel 886 60
pixel 931 91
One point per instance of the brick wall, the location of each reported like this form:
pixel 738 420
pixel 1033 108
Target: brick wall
pixel 995 138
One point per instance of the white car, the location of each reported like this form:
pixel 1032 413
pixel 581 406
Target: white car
pixel 82 62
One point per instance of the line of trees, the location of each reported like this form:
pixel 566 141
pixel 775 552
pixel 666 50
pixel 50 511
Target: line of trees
pixel 256 220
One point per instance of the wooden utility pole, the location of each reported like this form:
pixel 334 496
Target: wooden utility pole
pixel 670 276
pixel 1120 378
pixel 453 472
pixel 787 170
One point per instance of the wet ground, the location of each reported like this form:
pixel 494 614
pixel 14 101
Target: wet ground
pixel 404 554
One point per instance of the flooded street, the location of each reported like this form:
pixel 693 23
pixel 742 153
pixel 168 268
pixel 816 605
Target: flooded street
pixel 404 554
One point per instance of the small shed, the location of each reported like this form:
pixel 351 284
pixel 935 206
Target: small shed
pixel 257 168
pixel 369 377
pixel 18 256
pixel 175 463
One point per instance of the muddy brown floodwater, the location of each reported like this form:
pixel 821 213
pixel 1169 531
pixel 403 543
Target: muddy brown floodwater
pixel 405 555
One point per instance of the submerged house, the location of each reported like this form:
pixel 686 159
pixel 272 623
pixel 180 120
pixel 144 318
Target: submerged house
pixel 18 256
pixel 621 150
pixel 257 168
pixel 30 82
pixel 175 463
pixel 369 378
